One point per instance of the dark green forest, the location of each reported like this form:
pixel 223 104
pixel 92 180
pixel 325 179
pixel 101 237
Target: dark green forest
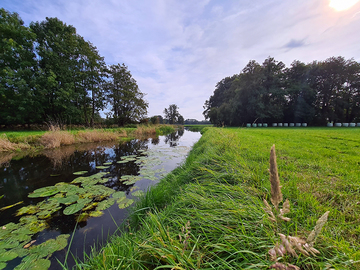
pixel 48 72
pixel 314 93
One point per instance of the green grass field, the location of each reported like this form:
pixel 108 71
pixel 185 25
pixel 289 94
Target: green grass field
pixel 209 213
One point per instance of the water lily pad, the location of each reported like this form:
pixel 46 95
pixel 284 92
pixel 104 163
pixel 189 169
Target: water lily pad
pixel 130 158
pixel 8 256
pixel 105 204
pixel 90 206
pixel 20 251
pixel 28 219
pixel 84 201
pixel 138 193
pixel 96 213
pixel 102 167
pixel 125 203
pixel 72 209
pixel 118 195
pixel 10 243
pixel 80 173
pixel 22 230
pixel 50 246
pixel 2 265
pixel 45 214
pixel 108 163
pixel 30 209
pixel 34 224
pixel 68 199
pixel 33 263
pixel 7 229
pixel 48 204
pixel 44 192
pixel 118 201
pixel 122 161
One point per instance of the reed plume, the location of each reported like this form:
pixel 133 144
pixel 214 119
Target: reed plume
pixel 276 195
pixel 316 231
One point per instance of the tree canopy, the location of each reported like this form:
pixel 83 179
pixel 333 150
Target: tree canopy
pixel 172 115
pixel 315 93
pixel 48 72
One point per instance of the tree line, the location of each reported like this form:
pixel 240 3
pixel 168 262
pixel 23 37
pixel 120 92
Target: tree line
pixel 314 93
pixel 48 72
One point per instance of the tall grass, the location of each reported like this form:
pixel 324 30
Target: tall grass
pixel 99 135
pixel 6 145
pixel 209 213
pixel 56 137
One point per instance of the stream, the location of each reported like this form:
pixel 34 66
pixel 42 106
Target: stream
pixel 79 194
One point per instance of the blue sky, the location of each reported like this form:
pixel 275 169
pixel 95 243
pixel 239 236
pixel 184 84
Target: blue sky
pixel 177 50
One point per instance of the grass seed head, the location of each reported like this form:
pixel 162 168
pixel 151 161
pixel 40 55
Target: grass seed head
pixel 316 231
pixel 281 266
pixel 276 195
pixel 287 245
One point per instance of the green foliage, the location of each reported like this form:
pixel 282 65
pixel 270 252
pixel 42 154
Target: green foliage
pixel 172 115
pixel 49 72
pixel 18 92
pixel 123 94
pixel 315 93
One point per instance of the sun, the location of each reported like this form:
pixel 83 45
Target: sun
pixel 340 5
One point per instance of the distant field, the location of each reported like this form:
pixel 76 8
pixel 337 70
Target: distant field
pixel 215 203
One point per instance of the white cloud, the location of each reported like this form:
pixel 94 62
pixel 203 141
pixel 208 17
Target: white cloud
pixel 178 50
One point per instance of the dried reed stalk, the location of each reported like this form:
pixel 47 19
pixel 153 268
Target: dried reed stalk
pixel 276 195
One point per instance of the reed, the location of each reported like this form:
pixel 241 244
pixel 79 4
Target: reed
pixel 57 138
pixel 98 135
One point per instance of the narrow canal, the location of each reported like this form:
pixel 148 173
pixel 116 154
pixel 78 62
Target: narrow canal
pixel 78 194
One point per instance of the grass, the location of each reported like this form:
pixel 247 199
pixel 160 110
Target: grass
pixel 18 140
pixel 209 213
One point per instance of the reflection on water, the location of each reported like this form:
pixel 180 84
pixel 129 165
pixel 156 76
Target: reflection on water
pixel 20 177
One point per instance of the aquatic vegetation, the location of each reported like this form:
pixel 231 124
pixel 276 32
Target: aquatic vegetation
pixel 138 193
pixel 80 173
pixel 102 167
pixel 81 198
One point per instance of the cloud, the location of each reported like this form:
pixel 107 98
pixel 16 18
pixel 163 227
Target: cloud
pixel 293 43
pixel 178 50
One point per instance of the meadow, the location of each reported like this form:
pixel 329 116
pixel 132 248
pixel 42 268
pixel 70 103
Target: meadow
pixel 210 213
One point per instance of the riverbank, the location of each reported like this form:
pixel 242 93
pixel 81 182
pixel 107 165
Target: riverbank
pixel 210 214
pixel 20 140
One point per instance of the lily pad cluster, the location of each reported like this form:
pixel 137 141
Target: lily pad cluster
pixel 84 197
pixel 15 241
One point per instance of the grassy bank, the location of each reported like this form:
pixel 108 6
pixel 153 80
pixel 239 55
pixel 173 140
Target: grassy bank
pixel 18 140
pixel 210 214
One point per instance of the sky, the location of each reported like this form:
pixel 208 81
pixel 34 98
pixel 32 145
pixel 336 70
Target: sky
pixel 177 50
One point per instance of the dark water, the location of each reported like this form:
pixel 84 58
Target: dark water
pixel 20 177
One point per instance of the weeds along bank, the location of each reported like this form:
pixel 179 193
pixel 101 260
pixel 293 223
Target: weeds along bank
pixel 15 141
pixel 215 211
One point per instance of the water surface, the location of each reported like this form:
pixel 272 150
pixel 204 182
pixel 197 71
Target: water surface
pixel 153 158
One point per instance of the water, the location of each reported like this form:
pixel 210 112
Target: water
pixel 18 178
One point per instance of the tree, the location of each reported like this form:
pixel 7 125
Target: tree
pixel 156 119
pixel 58 51
pixel 92 72
pixel 300 97
pixel 123 94
pixel 172 114
pixel 18 90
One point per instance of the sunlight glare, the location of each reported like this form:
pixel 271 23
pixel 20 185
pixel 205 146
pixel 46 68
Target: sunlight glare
pixel 340 5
